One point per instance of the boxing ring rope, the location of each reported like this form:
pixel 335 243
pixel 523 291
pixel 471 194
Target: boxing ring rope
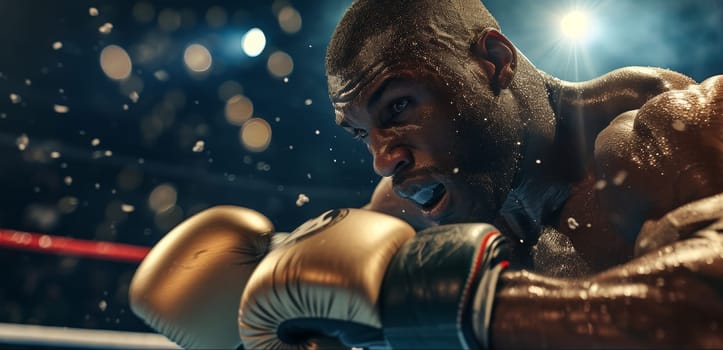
pixel 70 246
pixel 72 337
pixel 87 338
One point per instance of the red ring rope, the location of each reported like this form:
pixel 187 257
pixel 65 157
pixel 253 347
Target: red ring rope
pixel 71 246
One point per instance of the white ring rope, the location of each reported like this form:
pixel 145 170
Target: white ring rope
pixel 74 337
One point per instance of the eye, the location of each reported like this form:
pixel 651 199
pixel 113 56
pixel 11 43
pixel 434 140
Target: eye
pixel 399 105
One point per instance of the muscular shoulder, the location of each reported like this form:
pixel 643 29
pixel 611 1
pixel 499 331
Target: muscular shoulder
pixel 653 79
pixel 667 153
pixel 688 110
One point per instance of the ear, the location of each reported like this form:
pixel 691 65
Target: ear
pixel 497 57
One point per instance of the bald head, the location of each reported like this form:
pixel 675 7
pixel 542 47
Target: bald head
pixel 404 27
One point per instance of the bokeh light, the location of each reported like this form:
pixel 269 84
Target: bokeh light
pixel 165 220
pixel 144 12
pixel 132 85
pixel 238 110
pixel 253 42
pixel 188 18
pixel 169 20
pixel 289 20
pixel 115 62
pixel 67 204
pixel 162 198
pixel 229 89
pixel 197 58
pixel 216 17
pixel 256 135
pixel 129 178
pixel 280 64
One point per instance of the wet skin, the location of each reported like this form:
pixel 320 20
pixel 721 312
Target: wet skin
pixel 413 128
pixel 632 146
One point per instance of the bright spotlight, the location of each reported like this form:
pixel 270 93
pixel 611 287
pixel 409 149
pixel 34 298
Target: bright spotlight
pixel 575 25
pixel 253 42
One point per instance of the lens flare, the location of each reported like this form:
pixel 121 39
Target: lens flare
pixel 575 25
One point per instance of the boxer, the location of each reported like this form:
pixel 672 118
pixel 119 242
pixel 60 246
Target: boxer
pixel 609 193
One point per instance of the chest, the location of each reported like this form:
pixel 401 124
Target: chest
pixel 583 238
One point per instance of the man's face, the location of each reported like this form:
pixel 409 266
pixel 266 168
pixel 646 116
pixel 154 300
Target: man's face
pixel 447 142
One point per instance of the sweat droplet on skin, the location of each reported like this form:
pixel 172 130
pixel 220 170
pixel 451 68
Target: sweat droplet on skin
pixel 620 177
pixel 600 184
pixel 678 125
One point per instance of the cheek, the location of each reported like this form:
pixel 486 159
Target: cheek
pixel 438 129
pixel 488 145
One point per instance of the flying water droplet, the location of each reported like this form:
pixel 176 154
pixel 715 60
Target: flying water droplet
pixel 301 200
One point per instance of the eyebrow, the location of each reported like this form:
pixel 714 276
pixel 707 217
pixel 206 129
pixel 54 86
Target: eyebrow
pixel 373 100
pixel 377 95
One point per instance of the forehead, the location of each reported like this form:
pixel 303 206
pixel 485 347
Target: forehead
pixel 355 62
pixel 380 59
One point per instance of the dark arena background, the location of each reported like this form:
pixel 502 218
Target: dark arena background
pixel 119 119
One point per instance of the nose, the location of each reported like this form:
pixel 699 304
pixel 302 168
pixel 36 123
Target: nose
pixel 389 155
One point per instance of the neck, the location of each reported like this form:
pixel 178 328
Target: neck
pixel 539 190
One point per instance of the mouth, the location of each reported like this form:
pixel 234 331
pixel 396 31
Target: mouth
pixel 430 197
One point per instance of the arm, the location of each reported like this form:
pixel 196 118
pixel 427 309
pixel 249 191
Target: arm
pixel 670 297
pixel 671 294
